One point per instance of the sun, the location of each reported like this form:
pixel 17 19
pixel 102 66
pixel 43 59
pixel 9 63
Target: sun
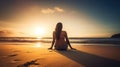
pixel 39 32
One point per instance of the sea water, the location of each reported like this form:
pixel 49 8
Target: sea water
pixel 115 41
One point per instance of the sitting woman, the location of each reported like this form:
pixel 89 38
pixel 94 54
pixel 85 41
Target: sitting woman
pixel 60 38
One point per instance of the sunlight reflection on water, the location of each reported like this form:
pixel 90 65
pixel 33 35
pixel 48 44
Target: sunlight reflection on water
pixel 37 45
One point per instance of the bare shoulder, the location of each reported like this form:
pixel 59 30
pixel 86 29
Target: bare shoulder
pixel 64 32
pixel 53 31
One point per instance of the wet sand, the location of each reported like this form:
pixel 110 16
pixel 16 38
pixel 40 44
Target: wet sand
pixel 36 55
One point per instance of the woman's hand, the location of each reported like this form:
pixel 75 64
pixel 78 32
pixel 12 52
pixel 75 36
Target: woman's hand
pixel 50 48
pixel 73 48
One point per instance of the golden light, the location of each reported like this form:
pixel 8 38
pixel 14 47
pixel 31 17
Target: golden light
pixel 38 45
pixel 39 32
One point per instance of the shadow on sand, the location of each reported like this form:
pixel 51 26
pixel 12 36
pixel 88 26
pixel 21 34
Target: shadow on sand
pixel 89 60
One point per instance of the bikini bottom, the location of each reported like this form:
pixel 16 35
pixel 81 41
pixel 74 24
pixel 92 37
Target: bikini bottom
pixel 63 47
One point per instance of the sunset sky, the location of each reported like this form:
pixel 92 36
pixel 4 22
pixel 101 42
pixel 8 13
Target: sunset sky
pixel 80 18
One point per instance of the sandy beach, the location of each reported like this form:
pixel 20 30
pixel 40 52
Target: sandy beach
pixel 37 55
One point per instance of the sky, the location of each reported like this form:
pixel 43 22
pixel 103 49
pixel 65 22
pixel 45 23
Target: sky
pixel 80 18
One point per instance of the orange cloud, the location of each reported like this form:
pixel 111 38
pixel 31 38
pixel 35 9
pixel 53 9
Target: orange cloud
pixel 47 11
pixel 5 33
pixel 59 9
pixel 9 33
pixel 52 10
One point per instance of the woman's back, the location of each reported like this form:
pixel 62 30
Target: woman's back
pixel 61 42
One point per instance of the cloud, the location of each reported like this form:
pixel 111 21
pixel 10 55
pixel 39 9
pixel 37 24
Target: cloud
pixel 47 11
pixel 59 9
pixel 52 10
pixel 10 33
pixel 5 33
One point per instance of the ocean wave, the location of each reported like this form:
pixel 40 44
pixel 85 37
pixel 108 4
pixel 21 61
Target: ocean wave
pixel 72 40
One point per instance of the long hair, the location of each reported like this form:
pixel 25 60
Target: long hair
pixel 58 30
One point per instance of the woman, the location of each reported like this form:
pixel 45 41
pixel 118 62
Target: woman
pixel 60 38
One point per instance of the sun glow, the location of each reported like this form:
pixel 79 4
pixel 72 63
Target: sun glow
pixel 39 32
pixel 38 45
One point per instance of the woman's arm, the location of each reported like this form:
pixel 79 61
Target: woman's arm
pixel 53 41
pixel 67 40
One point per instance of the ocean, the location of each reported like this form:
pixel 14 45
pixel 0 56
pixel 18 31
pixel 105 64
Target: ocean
pixel 115 41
